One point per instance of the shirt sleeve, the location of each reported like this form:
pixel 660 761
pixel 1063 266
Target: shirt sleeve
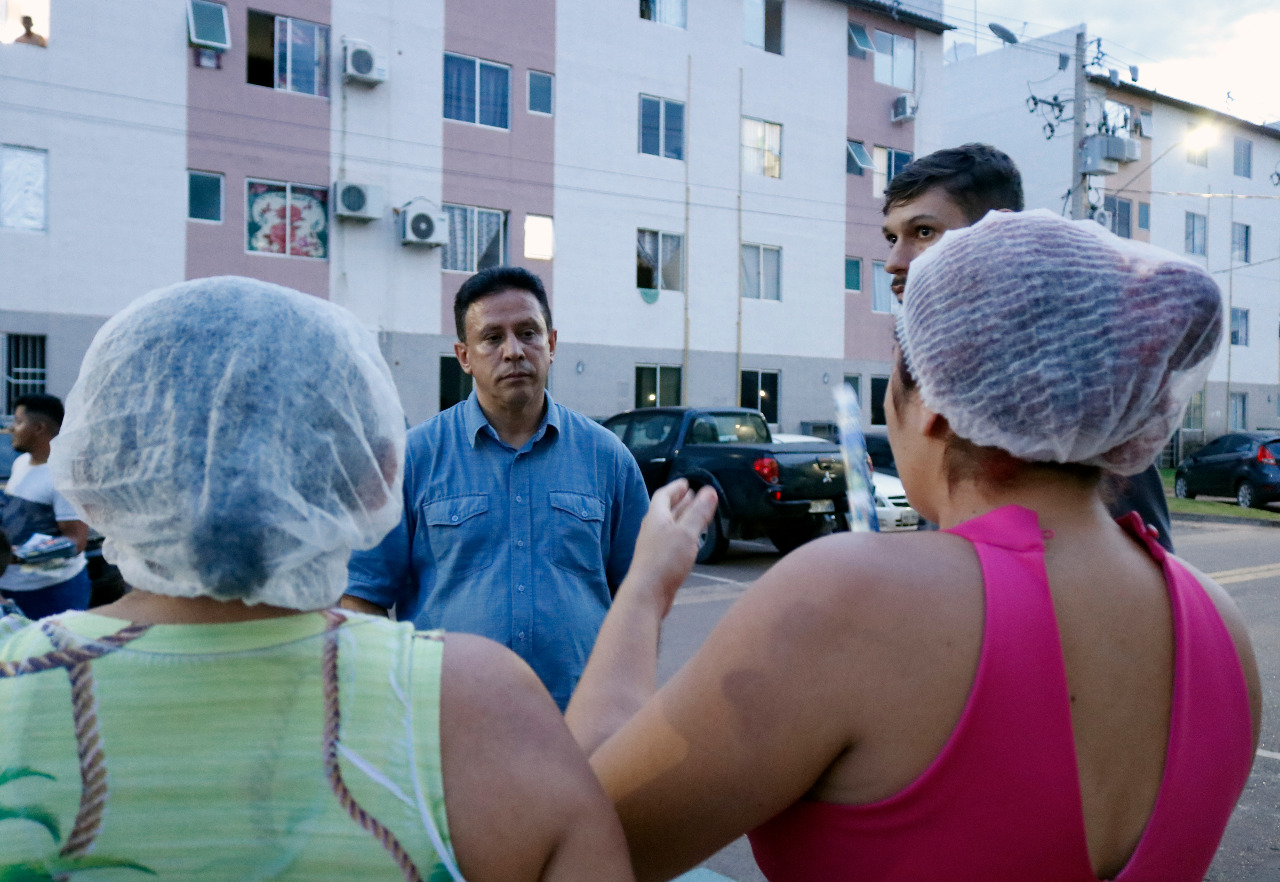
pixel 385 574
pixel 63 510
pixel 630 506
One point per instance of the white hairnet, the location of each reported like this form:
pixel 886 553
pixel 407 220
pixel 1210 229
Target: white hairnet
pixel 234 439
pixel 1056 341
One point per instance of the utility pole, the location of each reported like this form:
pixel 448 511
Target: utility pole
pixel 1079 181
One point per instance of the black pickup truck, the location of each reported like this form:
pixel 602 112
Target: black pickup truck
pixel 788 492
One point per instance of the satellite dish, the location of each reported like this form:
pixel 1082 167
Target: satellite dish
pixel 1003 33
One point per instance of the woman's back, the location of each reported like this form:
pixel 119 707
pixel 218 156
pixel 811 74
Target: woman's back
pixel 1026 755
pixel 298 747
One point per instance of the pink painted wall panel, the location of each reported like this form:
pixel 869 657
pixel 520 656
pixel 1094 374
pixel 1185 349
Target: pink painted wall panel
pixel 511 170
pixel 247 131
pixel 869 335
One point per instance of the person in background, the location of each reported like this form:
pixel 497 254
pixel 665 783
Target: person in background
pixel 956 187
pixel 32 505
pixel 30 36
pixel 233 441
pixel 1034 692
pixel 520 515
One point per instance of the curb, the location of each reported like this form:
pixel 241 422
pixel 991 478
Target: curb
pixel 1222 519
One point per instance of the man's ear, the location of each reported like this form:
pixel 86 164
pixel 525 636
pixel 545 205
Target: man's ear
pixel 551 344
pixel 460 350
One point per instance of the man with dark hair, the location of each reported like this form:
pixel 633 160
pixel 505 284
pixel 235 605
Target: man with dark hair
pixel 520 515
pixel 32 506
pixel 955 188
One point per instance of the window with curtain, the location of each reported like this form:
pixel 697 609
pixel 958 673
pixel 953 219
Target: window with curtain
pixel 477 91
pixel 761 272
pixel 477 239
pixel 1240 251
pixel 667 12
pixel 895 63
pixel 882 299
pixel 761 147
pixel 1120 211
pixel 888 162
pixel 1196 233
pixel 289 219
pixel 659 260
pixel 1243 162
pixel 1239 327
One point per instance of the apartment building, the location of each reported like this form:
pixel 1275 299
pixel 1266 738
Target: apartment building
pixel 698 184
pixel 1195 181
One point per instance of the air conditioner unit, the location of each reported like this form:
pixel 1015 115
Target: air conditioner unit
pixel 422 223
pixel 358 201
pixel 1103 217
pixel 904 108
pixel 361 63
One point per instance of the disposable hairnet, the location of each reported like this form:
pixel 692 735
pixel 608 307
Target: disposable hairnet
pixel 1056 341
pixel 234 439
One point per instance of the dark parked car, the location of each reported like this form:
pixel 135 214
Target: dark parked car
pixel 881 454
pixel 1242 464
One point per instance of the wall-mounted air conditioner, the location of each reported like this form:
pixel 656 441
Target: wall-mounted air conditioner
pixel 360 63
pixel 422 223
pixel 903 109
pixel 358 201
pixel 1103 217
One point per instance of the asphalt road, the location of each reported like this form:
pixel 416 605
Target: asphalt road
pixel 1243 557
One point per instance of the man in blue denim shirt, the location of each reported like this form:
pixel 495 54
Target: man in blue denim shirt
pixel 520 515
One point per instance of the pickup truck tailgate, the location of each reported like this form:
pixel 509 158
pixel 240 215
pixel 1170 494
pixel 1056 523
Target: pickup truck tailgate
pixel 813 473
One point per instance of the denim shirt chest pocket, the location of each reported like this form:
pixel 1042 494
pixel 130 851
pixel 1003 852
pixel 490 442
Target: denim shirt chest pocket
pixel 461 533
pixel 577 524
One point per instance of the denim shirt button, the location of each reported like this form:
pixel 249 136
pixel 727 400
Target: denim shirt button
pixel 520 543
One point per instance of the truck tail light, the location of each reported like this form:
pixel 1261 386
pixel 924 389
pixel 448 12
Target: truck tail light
pixel 767 468
pixel 1265 456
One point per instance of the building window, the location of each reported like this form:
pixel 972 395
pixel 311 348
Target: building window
pixel 882 299
pixel 853 273
pixel 859 43
pixel 539 237
pixel 1198 155
pixel 1237 408
pixel 1146 124
pixel 477 91
pixel 857 159
pixel 879 385
pixel 288 54
pixel 1239 326
pixel 657 385
pixel 888 162
pixel 659 261
pixel 854 382
pixel 761 147
pixel 895 61
pixel 1194 416
pixel 1144 215
pixel 1240 252
pixel 24 367
pixel 762 24
pixel 24 173
pixel 1243 158
pixel 1197 228
pixel 207 25
pixel 541 92
pixel 204 196
pixel 455 383
pixel 1117 118
pixel 760 391
pixel 668 12
pixel 1120 211
pixel 290 219
pixel 761 272
pixel 477 239
pixel 661 127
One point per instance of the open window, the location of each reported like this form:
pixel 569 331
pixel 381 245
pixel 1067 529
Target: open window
pixel 207 25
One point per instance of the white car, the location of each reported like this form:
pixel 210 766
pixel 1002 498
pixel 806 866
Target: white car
pixel 892 509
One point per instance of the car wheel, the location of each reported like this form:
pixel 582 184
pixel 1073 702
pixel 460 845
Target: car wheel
pixel 789 536
pixel 1180 488
pixel 712 543
pixel 1245 497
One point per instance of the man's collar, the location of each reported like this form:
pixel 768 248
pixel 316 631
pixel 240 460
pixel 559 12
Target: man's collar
pixel 473 418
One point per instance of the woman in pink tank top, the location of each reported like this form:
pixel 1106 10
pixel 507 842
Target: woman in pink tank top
pixel 1036 692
